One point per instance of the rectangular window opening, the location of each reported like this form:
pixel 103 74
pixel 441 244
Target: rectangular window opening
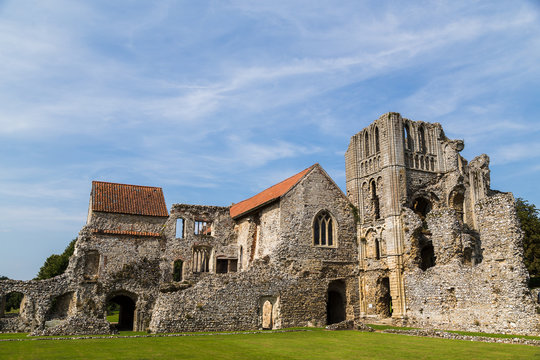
pixel 203 227
pixel 180 228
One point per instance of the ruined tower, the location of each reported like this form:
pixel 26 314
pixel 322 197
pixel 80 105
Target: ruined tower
pixel 425 220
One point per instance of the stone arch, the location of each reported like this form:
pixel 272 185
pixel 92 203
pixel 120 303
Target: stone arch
pixel 126 302
pixel 421 206
pixel 336 302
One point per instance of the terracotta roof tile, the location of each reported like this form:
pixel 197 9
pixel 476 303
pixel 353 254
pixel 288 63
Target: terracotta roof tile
pixel 125 232
pixel 128 199
pixel 268 195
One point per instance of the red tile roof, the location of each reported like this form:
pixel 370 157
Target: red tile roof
pixel 125 232
pixel 128 199
pixel 268 195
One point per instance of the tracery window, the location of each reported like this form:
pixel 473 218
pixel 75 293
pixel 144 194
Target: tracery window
pixel 323 230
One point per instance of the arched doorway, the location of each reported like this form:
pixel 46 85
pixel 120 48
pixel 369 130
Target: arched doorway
pixel 335 305
pixel 122 306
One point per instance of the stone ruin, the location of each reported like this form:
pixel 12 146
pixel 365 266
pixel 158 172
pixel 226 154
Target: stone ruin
pixel 419 238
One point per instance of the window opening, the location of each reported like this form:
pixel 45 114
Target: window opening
pixel 427 256
pixel 323 230
pixel 203 227
pixel 180 228
pixel 366 144
pixel 12 304
pixel 422 140
pixel 377 249
pixel 375 201
pixel 377 146
pixel 408 139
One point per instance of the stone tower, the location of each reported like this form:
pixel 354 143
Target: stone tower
pixel 415 199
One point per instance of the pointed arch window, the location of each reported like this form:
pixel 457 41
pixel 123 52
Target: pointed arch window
pixel 324 230
pixel 422 139
pixel 408 139
pixel 377 145
pixel 366 144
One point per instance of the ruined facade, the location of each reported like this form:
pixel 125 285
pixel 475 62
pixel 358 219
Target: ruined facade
pixel 419 238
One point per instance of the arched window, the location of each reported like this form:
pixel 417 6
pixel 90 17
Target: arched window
pixel 375 201
pixel 408 139
pixel 323 229
pixel 366 144
pixel 377 146
pixel 377 249
pixel 422 139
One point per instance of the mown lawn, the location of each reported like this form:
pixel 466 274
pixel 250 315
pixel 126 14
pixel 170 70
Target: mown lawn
pixel 315 344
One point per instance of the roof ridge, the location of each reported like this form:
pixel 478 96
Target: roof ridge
pixel 269 194
pixel 276 184
pixel 114 183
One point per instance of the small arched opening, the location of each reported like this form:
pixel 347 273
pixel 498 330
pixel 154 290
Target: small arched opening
pixel 336 302
pixel 421 206
pixel 61 307
pixel 427 256
pixel 121 312
pixel 377 249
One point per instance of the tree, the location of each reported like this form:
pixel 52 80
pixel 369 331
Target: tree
pixel 3 277
pixel 56 264
pixel 528 216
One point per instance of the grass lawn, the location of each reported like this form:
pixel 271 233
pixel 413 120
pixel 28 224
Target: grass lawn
pixel 314 344
pixel 112 316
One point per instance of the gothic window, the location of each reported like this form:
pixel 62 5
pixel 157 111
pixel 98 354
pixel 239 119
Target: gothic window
pixel 422 139
pixel 323 230
pixel 366 144
pixel 377 146
pixel 180 228
pixel 375 201
pixel 201 259
pixel 408 139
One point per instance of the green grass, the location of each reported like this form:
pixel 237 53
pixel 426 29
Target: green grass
pixel 315 344
pixel 503 336
pixel 112 316
pixel 386 327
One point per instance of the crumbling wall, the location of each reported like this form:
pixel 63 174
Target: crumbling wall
pixel 489 296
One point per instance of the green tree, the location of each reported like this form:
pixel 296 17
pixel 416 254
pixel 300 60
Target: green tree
pixel 56 264
pixel 3 277
pixel 529 218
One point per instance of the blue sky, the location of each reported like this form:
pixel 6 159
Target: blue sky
pixel 217 100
